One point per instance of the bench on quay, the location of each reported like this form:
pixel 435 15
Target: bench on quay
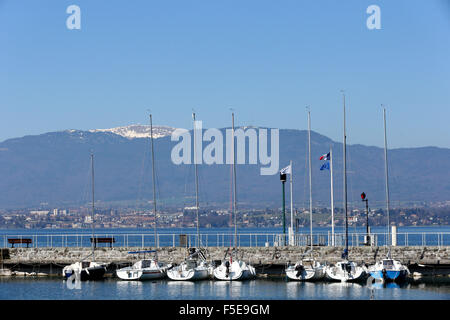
pixel 19 240
pixel 109 240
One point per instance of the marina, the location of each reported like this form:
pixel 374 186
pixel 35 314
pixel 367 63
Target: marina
pixel 222 159
pixel 268 261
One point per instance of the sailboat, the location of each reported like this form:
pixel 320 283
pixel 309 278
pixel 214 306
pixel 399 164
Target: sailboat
pixel 87 270
pixel 234 269
pixel 307 269
pixel 146 269
pixel 195 266
pixel 388 269
pixel 345 270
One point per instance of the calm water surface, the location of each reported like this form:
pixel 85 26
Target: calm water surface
pixel 54 288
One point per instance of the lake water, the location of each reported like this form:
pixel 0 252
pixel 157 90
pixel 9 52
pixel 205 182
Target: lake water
pixel 259 289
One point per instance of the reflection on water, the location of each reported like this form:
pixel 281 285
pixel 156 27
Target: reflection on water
pixel 125 287
pixel 389 285
pixel 228 289
pixel 54 288
pixel 347 291
pixel 179 289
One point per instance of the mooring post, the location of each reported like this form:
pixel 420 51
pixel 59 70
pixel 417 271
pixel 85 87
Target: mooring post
pixel 394 235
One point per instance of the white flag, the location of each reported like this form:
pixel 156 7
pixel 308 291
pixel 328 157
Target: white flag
pixel 286 170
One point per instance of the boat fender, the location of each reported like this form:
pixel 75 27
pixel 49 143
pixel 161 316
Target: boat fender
pixel 384 274
pixel 227 266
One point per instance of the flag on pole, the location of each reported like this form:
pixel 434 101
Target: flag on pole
pixel 286 170
pixel 325 157
pixel 325 166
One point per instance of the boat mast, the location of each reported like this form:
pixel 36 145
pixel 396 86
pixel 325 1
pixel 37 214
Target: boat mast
pixel 345 185
pixel 153 181
pixel 386 175
pixel 291 233
pixel 234 175
pixel 93 209
pixel 196 181
pixel 310 179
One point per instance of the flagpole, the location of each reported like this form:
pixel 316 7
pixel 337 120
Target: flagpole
pixel 332 196
pixel 291 231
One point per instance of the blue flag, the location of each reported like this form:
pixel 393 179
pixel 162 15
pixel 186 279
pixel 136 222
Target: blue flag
pixel 325 166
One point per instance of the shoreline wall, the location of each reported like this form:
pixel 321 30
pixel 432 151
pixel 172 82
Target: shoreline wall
pixel 253 255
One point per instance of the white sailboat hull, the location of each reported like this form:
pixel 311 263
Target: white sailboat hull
pixel 194 267
pixel 340 272
pixel 87 270
pixel 178 274
pixel 238 270
pixel 305 273
pixel 142 274
pixel 143 270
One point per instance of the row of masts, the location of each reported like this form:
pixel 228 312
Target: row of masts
pixel 233 182
pixel 331 183
pixel 345 178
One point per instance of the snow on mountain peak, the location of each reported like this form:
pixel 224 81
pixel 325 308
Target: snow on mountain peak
pixel 139 131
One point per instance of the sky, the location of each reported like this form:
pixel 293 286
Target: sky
pixel 267 60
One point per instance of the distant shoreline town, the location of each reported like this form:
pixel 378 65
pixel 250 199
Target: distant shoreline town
pixel 184 217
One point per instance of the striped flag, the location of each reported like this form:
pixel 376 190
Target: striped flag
pixel 325 156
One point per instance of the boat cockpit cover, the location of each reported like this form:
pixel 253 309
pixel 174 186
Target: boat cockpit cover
pixel 146 263
pixel 388 263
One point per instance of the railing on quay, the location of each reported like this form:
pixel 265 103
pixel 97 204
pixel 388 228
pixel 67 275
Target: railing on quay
pixel 127 240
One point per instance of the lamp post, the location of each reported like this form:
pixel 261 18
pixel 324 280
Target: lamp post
pixel 283 181
pixel 364 199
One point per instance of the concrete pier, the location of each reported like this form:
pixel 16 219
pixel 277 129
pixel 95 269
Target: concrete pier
pixel 254 255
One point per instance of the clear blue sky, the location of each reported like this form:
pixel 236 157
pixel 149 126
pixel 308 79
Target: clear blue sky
pixel 266 59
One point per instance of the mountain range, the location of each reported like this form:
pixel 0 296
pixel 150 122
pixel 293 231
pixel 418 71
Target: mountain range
pixel 54 168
